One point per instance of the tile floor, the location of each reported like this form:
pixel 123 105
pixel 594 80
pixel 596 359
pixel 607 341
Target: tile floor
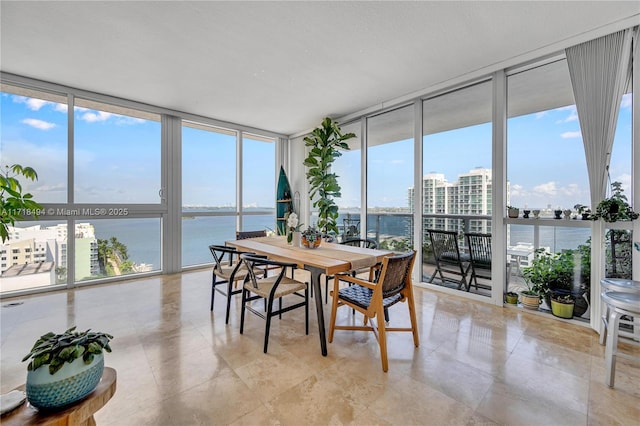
pixel 179 364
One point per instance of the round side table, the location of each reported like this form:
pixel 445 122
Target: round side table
pixel 80 413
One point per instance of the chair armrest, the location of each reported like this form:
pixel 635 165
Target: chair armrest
pixel 355 280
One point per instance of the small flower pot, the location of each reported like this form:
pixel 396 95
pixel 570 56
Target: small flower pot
pixel 513 213
pixel 511 298
pixel 525 214
pixel 311 244
pixel 557 214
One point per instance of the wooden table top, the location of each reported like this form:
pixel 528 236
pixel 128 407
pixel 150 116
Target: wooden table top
pixel 323 257
pixel 80 413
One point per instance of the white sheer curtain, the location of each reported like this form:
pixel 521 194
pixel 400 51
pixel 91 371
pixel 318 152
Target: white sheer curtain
pixel 600 70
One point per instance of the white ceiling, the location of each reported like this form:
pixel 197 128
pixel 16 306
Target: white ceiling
pixel 283 66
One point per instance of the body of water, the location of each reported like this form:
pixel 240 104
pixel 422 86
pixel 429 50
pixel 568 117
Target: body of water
pixel 142 236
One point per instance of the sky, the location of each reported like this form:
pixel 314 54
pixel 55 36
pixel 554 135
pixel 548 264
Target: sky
pixel 546 165
pixel 117 159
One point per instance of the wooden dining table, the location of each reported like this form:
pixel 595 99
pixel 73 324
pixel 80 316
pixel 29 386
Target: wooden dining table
pixel 329 259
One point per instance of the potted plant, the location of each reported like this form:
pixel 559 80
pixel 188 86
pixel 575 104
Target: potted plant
pixel 614 208
pixel 311 237
pixel 526 213
pixel 583 210
pixel 536 286
pixel 65 368
pixel 562 305
pixel 293 229
pixel 550 273
pixel 557 213
pixel 325 141
pixel 14 204
pixel 511 298
pixel 513 212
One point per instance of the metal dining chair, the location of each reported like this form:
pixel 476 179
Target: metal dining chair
pixel 480 258
pixel 449 260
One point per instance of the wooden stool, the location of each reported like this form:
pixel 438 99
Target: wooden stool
pixel 618 304
pixel 78 414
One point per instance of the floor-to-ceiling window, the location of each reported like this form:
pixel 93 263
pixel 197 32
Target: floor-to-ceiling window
pixel 258 187
pixel 102 180
pixel 390 178
pixel 546 173
pixel 349 171
pixel 457 173
pixel 210 209
pixel 104 177
pixel 208 189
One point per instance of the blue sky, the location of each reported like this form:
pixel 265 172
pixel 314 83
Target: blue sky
pixel 117 159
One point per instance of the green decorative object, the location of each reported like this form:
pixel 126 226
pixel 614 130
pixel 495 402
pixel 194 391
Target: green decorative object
pixel 284 202
pixel 326 142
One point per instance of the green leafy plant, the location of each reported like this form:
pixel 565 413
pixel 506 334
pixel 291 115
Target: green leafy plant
pixel 325 141
pixel 549 272
pixel 14 204
pixel 56 349
pixel 616 207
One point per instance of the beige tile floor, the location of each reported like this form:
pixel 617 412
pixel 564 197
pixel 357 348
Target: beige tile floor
pixel 179 364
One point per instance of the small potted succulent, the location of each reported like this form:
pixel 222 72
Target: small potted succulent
pixel 311 237
pixel 513 212
pixel 583 210
pixel 65 368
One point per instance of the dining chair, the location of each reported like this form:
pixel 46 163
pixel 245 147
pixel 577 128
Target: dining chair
pixel 480 258
pixel 241 235
pixel 227 271
pixel 271 288
pixel 449 260
pixel 354 242
pixel 372 298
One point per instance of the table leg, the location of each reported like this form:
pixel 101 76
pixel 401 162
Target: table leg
pixel 315 282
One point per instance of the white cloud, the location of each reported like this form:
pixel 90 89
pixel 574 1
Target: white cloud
pixel 36 104
pixel 570 135
pixel 540 114
pixel 38 124
pixel 93 117
pixel 548 188
pixel 573 114
pixel 626 101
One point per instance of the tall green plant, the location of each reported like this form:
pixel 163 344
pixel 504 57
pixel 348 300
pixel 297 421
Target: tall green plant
pixel 325 141
pixel 14 204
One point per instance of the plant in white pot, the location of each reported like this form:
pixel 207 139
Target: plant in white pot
pixel 65 368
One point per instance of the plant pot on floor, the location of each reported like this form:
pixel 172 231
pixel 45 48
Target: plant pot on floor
pixel 511 298
pixel 562 307
pixel 530 300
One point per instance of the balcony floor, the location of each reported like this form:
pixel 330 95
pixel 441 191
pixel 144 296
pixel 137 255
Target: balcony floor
pixel 179 364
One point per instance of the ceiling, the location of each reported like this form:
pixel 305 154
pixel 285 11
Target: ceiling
pixel 283 66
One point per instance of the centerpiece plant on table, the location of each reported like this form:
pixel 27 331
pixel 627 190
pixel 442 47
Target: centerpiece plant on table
pixel 293 225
